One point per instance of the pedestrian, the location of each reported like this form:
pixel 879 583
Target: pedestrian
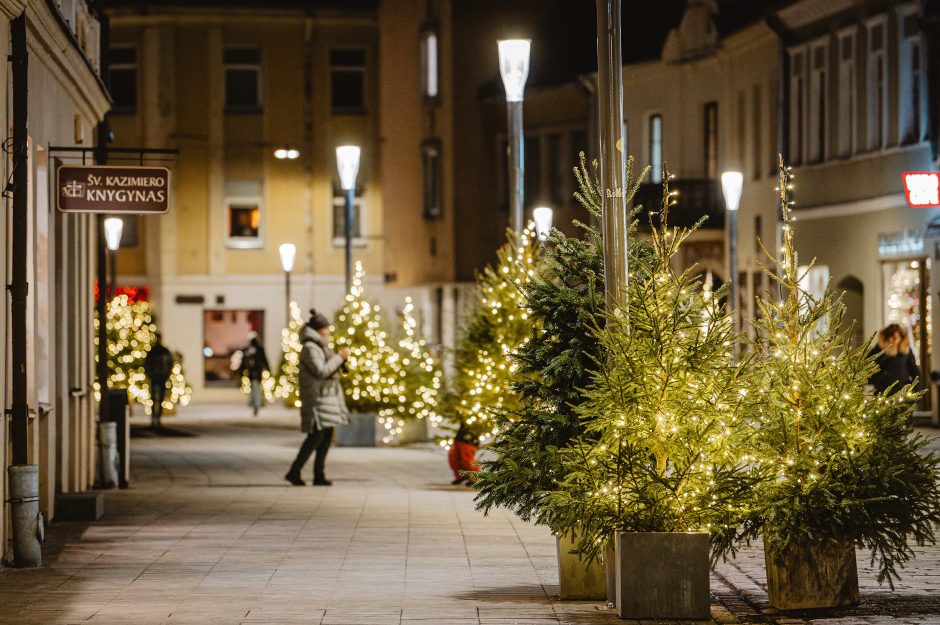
pixel 254 365
pixel 895 359
pixel 463 453
pixel 158 366
pixel 322 404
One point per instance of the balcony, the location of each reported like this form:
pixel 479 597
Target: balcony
pixel 696 199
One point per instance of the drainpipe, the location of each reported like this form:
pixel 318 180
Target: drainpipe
pixel 24 478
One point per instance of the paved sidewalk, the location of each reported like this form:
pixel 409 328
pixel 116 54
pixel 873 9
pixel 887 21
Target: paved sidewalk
pixel 210 533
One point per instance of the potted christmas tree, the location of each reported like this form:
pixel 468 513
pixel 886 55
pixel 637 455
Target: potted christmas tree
pixel 660 471
pixel 843 469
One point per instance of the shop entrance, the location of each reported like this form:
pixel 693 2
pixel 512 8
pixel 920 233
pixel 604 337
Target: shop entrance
pixel 907 303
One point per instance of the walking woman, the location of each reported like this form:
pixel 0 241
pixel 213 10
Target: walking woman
pixel 896 364
pixel 322 405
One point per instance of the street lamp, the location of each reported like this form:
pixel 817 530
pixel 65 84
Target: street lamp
pixel 347 162
pixel 286 153
pixel 543 222
pixel 113 229
pixel 732 183
pixel 288 252
pixel 514 69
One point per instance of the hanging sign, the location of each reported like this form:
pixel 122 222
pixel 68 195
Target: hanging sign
pixel 112 189
pixel 922 189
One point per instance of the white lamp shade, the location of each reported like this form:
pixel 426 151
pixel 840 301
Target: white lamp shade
pixel 113 229
pixel 347 162
pixel 543 222
pixel 514 66
pixel 731 184
pixel 288 252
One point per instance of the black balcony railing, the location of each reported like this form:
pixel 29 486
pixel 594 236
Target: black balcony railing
pixel 695 199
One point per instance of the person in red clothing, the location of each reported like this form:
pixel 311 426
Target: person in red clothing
pixel 462 455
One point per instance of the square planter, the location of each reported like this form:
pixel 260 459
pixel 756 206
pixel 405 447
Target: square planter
pixel 662 575
pixel 364 430
pixel 578 580
pixel 812 575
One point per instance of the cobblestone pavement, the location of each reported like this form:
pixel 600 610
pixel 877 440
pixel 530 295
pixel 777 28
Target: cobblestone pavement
pixel 210 533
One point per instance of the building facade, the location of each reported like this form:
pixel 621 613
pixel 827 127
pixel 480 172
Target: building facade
pixel 66 100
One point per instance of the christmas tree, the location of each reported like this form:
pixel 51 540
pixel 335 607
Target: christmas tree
pixel 566 303
pixel 287 387
pixel 663 440
pixel 419 378
pixel 498 326
pixel 374 379
pixel 131 330
pixel 841 464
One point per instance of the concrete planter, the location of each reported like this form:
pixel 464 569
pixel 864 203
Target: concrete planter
pixel 578 580
pixel 812 575
pixel 364 430
pixel 662 575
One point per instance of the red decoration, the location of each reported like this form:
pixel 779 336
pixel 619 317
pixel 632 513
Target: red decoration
pixel 134 293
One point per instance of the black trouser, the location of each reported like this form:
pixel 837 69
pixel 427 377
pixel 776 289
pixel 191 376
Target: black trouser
pixel 318 440
pixel 157 394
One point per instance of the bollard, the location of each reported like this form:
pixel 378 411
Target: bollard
pixel 27 522
pixel 107 454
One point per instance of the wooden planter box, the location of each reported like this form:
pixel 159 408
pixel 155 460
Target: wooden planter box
pixel 662 575
pixel 364 430
pixel 812 575
pixel 578 580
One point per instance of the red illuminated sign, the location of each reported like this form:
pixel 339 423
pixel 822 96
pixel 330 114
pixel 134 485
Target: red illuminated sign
pixel 922 189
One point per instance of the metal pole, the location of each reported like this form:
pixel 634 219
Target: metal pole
pixel 733 265
pixel 112 290
pixel 101 262
pixel 350 205
pixel 20 227
pixel 287 293
pixel 612 164
pixel 516 165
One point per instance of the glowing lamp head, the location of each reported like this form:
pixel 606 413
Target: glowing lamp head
pixel 289 154
pixel 514 66
pixel 543 222
pixel 347 162
pixel 288 252
pixel 113 229
pixel 732 182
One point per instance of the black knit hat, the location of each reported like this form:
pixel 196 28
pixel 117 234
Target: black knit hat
pixel 318 320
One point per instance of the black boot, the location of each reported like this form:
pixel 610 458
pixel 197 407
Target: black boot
pixel 321 481
pixel 294 478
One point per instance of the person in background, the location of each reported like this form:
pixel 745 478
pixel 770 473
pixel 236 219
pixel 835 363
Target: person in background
pixel 158 366
pixel 254 366
pixel 322 403
pixel 895 359
pixel 463 453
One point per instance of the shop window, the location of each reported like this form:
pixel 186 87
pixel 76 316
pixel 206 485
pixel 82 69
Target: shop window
pixel 339 216
pixel 225 335
pixel 656 148
pixel 710 132
pixel 431 173
pixel 347 80
pixel 242 79
pixel 122 78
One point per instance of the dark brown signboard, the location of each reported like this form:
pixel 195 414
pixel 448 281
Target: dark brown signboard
pixel 112 189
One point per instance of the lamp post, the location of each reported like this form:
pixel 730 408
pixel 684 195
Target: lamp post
pixel 543 222
pixel 514 69
pixel 732 183
pixel 113 229
pixel 288 252
pixel 347 162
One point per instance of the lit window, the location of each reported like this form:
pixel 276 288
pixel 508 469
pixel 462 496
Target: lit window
pixel 430 76
pixel 242 80
pixel 347 81
pixel 122 78
pixel 244 209
pixel 656 148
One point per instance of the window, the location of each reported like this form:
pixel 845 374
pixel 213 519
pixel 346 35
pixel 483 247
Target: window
pixel 656 148
pixel 130 234
pixel 347 80
pixel 244 207
pixel 756 134
pixel 339 216
pixel 242 79
pixel 848 103
pixel 910 81
pixel 556 169
pixel 711 140
pixel 431 170
pixel 430 76
pixel 817 105
pixel 225 334
pixel 742 129
pixel 122 78
pixel 877 85
pixel 797 111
